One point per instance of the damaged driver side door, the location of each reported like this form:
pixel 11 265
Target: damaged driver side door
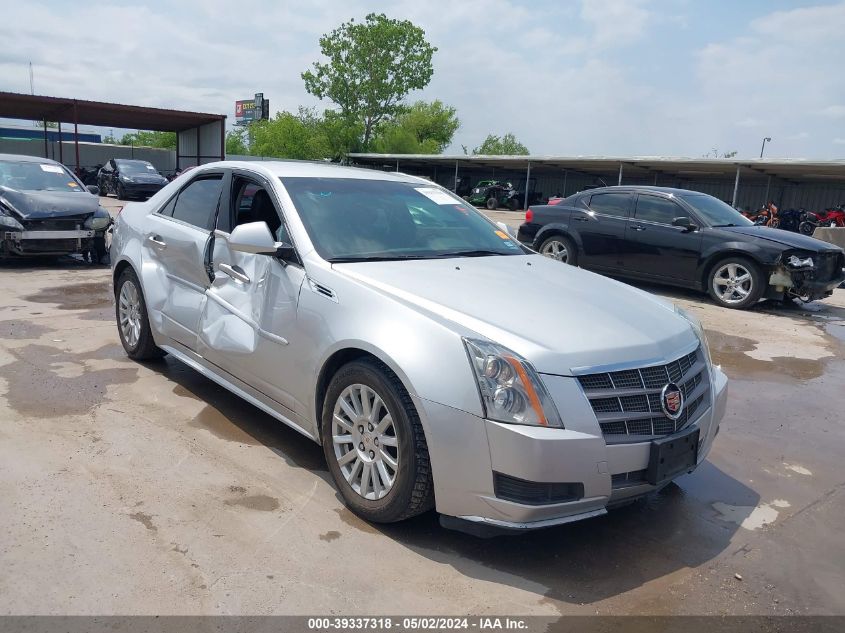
pixel 249 315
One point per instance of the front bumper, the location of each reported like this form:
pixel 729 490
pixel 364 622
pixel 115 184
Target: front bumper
pixel 464 479
pixel 57 242
pixel 141 188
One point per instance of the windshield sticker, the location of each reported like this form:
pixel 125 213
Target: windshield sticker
pixel 72 184
pixel 503 235
pixel 55 169
pixel 435 195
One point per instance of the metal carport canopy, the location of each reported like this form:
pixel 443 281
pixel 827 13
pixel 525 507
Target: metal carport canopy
pixel 15 105
pixel 789 169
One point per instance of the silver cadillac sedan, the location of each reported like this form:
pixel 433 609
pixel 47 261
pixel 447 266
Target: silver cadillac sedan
pixel 439 363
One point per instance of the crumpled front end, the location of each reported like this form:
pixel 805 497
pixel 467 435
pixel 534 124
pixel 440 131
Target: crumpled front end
pixel 46 236
pixel 806 275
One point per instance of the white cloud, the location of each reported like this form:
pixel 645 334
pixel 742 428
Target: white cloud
pixel 839 141
pixel 833 111
pixel 615 22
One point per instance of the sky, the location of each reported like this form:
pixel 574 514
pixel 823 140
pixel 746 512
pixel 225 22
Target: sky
pixel 587 77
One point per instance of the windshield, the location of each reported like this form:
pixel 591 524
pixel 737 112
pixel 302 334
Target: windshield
pixel 30 176
pixel 137 167
pixel 716 212
pixel 359 220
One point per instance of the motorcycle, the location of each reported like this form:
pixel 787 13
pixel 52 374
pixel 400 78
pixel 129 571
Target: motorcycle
pixel 766 216
pixel 791 219
pixel 833 217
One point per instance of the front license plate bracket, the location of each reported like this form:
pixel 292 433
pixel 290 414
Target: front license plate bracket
pixel 672 456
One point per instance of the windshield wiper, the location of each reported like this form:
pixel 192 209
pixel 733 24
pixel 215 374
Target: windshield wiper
pixel 475 253
pixel 718 226
pixel 374 258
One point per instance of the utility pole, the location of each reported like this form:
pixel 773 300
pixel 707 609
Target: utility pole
pixel 769 139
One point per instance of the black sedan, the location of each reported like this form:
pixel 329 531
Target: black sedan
pixel 129 178
pixel 46 210
pixel 683 238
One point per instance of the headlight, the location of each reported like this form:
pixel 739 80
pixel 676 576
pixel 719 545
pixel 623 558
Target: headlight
pixel 510 389
pixel 699 332
pixel 125 178
pixel 8 221
pixel 97 222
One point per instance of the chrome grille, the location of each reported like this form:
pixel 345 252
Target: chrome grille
pixel 628 402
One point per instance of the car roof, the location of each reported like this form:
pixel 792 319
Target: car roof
pixel 28 159
pixel 647 188
pixel 295 168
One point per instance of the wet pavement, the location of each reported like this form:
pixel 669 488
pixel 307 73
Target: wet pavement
pixel 130 488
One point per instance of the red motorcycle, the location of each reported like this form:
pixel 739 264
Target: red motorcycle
pixel 829 217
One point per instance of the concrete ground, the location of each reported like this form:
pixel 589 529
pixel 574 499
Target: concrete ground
pixel 131 488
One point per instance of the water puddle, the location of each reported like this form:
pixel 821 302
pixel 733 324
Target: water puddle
pixel 75 297
pixel 751 517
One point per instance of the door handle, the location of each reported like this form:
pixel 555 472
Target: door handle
pixel 638 227
pixel 581 218
pixel 235 272
pixel 157 241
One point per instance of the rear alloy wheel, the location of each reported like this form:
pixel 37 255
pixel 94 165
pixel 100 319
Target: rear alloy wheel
pixel 374 444
pixel 133 325
pixel 735 283
pixel 560 248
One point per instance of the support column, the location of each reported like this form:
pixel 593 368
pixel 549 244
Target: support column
pixel 76 135
pixel 736 188
pixel 45 140
pixel 61 149
pixel 527 184
pixel 222 139
pixel 768 185
pixel 619 182
pixel 565 174
pixel 655 179
pixel 456 177
pixel 397 165
pixel 198 146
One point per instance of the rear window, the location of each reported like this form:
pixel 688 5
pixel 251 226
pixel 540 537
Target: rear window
pixel 615 204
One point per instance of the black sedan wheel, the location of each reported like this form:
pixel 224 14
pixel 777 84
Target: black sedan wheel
pixel 560 248
pixel 735 282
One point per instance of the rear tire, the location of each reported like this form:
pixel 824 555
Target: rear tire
pixel 382 437
pixel 807 228
pixel 735 282
pixel 492 204
pixel 560 248
pixel 133 325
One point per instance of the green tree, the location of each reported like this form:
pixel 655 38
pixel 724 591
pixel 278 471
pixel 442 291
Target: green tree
pixel 422 128
pixel 236 141
pixel 506 145
pixel 371 67
pixel 144 138
pixel 287 135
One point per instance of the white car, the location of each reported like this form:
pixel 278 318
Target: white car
pixel 439 362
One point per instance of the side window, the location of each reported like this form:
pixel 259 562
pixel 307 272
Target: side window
pixel 168 208
pixel 615 204
pixel 197 203
pixel 656 209
pixel 252 203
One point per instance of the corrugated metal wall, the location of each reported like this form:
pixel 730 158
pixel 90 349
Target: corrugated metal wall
pixel 752 188
pixel 90 154
pixel 210 145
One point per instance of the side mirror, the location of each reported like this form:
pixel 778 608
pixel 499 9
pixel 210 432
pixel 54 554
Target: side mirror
pixel 94 189
pixel 255 237
pixel 684 223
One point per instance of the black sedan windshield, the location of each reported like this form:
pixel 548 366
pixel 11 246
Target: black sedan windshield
pixel 359 220
pixel 136 167
pixel 716 212
pixel 32 176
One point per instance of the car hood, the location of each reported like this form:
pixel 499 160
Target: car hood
pixel 561 318
pixel 32 205
pixel 779 236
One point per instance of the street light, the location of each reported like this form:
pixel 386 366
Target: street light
pixel 769 139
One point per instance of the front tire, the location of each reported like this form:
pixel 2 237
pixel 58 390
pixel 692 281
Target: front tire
pixel 560 248
pixel 735 282
pixel 807 228
pixel 133 325
pixel 374 444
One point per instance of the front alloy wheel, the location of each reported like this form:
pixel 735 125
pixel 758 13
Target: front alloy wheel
pixel 365 443
pixel 560 248
pixel 374 443
pixel 736 283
